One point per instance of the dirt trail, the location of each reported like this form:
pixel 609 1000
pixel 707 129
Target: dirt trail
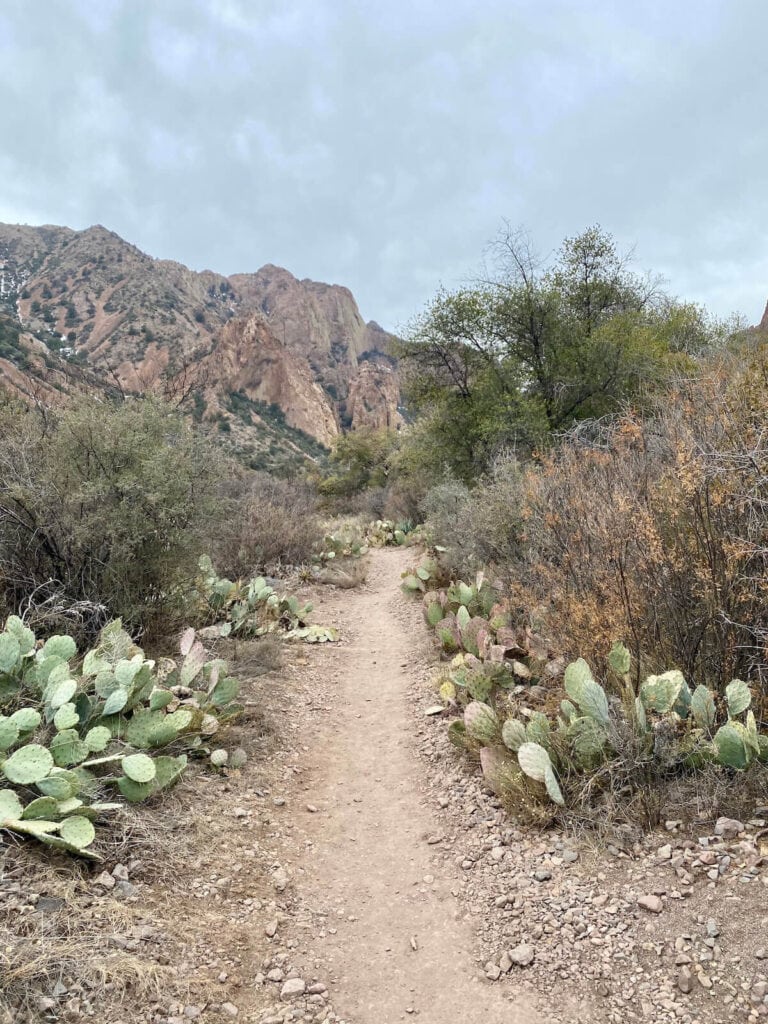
pixel 371 864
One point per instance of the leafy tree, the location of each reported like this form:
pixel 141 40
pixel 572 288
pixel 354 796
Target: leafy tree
pixel 359 460
pixel 538 347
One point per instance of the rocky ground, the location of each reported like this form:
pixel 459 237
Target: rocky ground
pixel 357 871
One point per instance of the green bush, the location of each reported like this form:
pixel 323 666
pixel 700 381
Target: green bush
pixel 104 510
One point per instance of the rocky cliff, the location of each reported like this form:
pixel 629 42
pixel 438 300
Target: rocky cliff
pixel 285 351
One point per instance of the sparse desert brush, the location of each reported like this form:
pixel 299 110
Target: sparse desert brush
pixel 649 529
pixel 273 523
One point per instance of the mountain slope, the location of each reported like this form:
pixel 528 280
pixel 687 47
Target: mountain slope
pixel 271 359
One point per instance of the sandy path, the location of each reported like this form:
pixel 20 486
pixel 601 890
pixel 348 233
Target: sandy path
pixel 387 887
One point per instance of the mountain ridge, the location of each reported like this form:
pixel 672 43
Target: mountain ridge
pixel 92 301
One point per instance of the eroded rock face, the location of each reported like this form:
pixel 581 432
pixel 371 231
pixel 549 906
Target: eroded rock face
pixel 249 358
pixel 374 394
pixel 301 345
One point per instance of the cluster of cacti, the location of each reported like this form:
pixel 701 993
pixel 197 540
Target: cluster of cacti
pixel 69 735
pixel 472 618
pixel 672 727
pixel 347 541
pixel 253 608
pixel 386 533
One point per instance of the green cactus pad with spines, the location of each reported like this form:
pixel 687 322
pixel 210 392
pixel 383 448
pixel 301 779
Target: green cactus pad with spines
pixel 23 634
pixel 29 764
pixel 63 647
pixel 116 701
pixel 481 722
pixel 457 734
pixel 61 694
pixel 180 719
pixel 10 805
pixel 61 785
pixel 97 739
pixel 68 749
pixel 585 692
pixel 27 719
pixel 70 806
pixel 139 768
pixel 135 792
pixel 588 742
pixel 45 807
pixel 738 697
pixel 731 746
pixel 620 659
pixel 9 733
pixel 513 734
pixel 661 693
pixel 148 729
pixel 703 709
pixel 168 770
pixel 224 691
pixel 479 687
pixel 534 760
pixel 78 831
pixel 539 730
pixel 553 787
pixel 10 652
pixel 159 699
pixel 66 717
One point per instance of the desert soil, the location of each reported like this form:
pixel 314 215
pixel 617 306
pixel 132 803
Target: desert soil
pixel 358 871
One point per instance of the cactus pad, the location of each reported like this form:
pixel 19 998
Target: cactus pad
pixel 29 764
pixel 481 722
pixel 738 697
pixel 139 768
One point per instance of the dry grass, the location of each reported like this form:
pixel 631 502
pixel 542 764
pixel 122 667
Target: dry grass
pixel 346 575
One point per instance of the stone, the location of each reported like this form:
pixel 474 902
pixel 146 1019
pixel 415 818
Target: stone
pixel 229 1009
pixel 685 980
pixel 522 955
pixel 728 827
pixel 652 904
pixel 105 880
pixel 293 988
pixel 271 929
pixel 492 971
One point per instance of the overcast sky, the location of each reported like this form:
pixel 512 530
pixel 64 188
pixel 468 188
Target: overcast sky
pixel 379 143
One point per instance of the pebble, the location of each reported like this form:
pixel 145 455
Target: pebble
pixel 653 904
pixel 292 988
pixel 522 955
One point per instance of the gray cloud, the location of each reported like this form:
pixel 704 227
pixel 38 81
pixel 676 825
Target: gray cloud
pixel 380 145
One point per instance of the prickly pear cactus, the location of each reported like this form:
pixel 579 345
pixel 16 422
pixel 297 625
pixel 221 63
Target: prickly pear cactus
pixel 585 692
pixel 481 723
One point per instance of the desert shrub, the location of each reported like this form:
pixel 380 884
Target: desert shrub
pixel 650 530
pixel 103 510
pixel 368 504
pixel 358 461
pixel 273 523
pixel 479 527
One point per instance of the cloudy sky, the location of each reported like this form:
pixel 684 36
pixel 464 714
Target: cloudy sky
pixel 380 144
